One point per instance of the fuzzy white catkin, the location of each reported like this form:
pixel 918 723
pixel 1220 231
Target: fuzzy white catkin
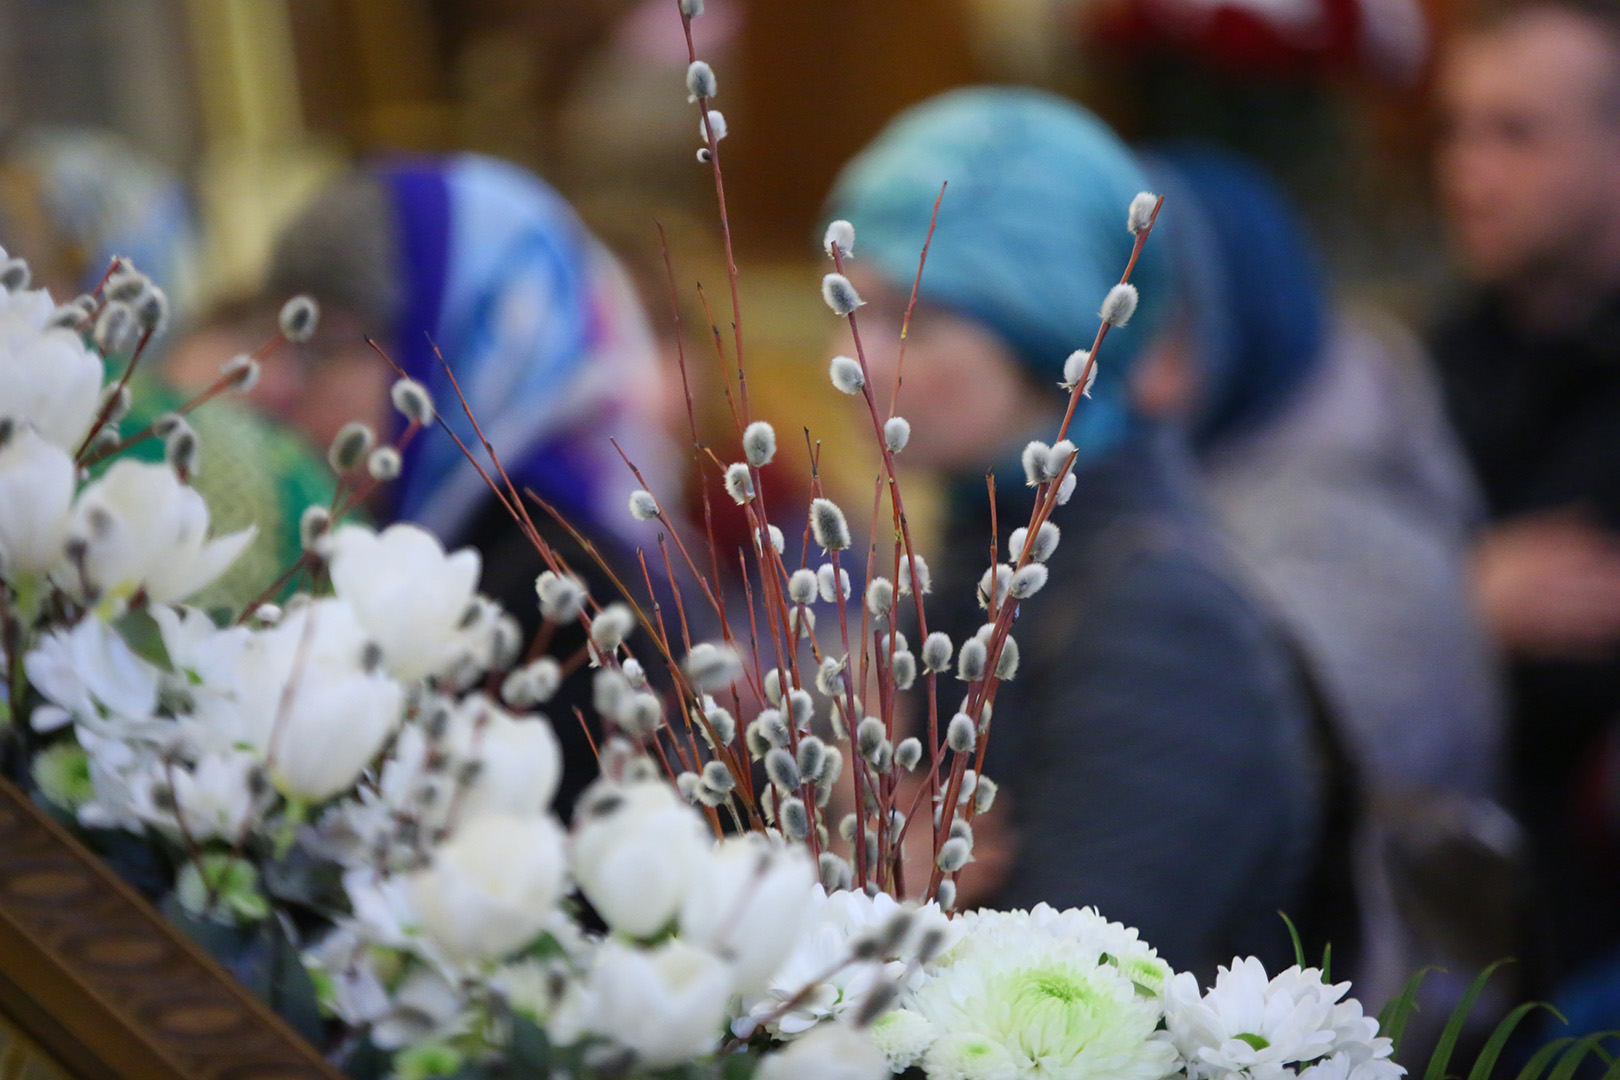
pixel 774 727
pixel 775 679
pixel 1046 542
pixel 970 660
pixel 830 592
pixel 846 374
pixel 782 769
pixel 561 597
pixel 691 9
pixel 909 753
pixel 241 372
pixel 611 626
pixel 778 541
pixel 879 596
pixel 643 507
pixel 1007 662
pixel 114 402
pixel 835 871
pixel 413 401
pixel 350 446
pixel 953 855
pixel 384 464
pixel 1057 459
pixel 724 724
pixel 984 796
pixel 896 433
pixel 811 758
pixel 739 483
pixel 700 81
pixel 180 447
pixel 840 294
pixel 710 667
pixel 842 233
pixel 962 734
pixel 936 651
pixel 869 735
pixel 795 819
pixel 915 566
pixel 1066 489
pixel 1002 573
pixel 1140 215
pixel 946 895
pixel 715 125
pixel 687 783
pixel 905 670
pixel 116 329
pixel 802 586
pixel 1034 458
pixel 1119 305
pixel 828 524
pixel 298 319
pixel 153 310
pixel 759 443
pixel 718 777
pixel 703 155
pixel 1027 581
pixel 1075 368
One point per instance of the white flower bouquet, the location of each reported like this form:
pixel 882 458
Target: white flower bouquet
pixel 360 778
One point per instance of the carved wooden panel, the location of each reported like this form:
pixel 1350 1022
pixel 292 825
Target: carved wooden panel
pixel 95 976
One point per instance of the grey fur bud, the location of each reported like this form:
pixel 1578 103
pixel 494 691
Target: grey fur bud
pixel 739 483
pixel 936 652
pixel 611 626
pixel 782 769
pixel 879 596
pixel 350 446
pixel 801 706
pixel 795 818
pixel 383 464
pixel 946 896
pixel 962 735
pixel 1119 305
pixel 909 753
pixel 1002 574
pixel 1027 581
pixel 984 796
pixel 846 374
pixel 970 661
pixel 718 777
pixel 840 294
pixel 243 372
pixel 869 735
pixel 759 443
pixel 1035 458
pixel 828 525
pixel 831 593
pixel 117 330
pixel 15 275
pixel 914 566
pixel 298 319
pixel 953 855
pixel 313 525
pixel 412 401
pixel 1046 542
pixel 896 433
pixel 700 81
pixel 812 758
pixel 710 667
pixel 802 586
pixel 904 668
pixel 1007 662
pixel 643 507
pixel 562 597
pixel 836 873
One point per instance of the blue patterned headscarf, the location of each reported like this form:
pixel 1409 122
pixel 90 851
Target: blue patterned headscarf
pixel 1031 233
pixel 542 329
pixel 1251 286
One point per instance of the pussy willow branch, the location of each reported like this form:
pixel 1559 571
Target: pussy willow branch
pixel 1045 501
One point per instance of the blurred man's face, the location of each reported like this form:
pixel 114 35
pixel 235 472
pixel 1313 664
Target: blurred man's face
pixel 1529 162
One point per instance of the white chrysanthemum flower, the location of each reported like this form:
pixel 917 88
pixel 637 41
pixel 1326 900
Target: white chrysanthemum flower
pixel 903 1036
pixel 1047 999
pixel 1253 1026
pixel 963 1056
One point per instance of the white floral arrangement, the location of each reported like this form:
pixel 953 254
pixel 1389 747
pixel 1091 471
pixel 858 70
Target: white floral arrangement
pixel 361 777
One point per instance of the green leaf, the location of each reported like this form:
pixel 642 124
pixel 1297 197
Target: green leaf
pixel 1572 1058
pixel 530 1047
pixel 1392 1019
pixel 1486 1062
pixel 1539 1060
pixel 739 1066
pixel 143 636
pixel 1454 1025
pixel 1293 935
pixel 1327 963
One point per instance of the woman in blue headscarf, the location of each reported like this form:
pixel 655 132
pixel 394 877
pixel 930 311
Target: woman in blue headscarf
pixel 1348 503
pixel 478 261
pixel 1155 748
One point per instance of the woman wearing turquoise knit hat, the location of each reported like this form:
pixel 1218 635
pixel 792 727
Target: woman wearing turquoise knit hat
pixel 1155 749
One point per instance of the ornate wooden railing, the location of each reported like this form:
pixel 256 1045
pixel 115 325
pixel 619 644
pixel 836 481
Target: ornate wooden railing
pixel 96 985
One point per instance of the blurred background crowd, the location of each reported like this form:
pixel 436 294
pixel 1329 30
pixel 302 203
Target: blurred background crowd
pixel 1335 625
